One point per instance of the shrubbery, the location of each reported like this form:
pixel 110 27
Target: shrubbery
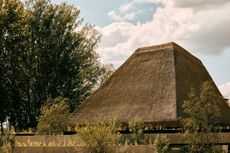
pixel 54 116
pixel 7 141
pixel 98 137
pixel 161 144
pixel 136 129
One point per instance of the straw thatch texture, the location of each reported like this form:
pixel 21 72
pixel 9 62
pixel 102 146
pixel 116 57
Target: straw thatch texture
pixel 190 72
pixel 151 85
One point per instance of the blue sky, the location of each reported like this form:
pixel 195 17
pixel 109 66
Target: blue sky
pixel 96 12
pixel 201 26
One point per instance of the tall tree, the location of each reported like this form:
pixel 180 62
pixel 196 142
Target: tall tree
pixel 200 127
pixel 13 33
pixel 45 53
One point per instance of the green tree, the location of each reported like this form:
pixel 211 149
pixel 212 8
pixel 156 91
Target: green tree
pixel 200 127
pixel 54 116
pixel 44 53
pixel 13 33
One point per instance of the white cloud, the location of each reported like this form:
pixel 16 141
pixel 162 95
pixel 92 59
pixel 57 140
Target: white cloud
pixel 225 90
pixel 126 17
pixel 129 11
pixel 120 39
pixel 128 6
pixel 198 30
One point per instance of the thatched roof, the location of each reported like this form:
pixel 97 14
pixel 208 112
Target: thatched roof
pixel 152 85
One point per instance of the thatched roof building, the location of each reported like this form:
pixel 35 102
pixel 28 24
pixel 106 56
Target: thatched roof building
pixel 152 85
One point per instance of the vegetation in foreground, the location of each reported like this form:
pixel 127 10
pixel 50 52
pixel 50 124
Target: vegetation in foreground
pixel 98 138
pixel 7 141
pixel 102 137
pixel 161 144
pixel 54 117
pixel 136 128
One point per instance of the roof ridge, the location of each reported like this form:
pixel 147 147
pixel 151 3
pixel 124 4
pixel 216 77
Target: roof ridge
pixel 169 45
pixel 186 53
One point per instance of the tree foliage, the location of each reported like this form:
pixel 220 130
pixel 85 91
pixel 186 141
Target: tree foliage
pixel 54 116
pixel 44 53
pixel 200 126
pixel 13 33
pixel 107 71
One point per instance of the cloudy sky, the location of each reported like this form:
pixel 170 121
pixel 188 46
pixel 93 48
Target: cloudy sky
pixel 200 26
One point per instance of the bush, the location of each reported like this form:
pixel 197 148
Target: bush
pixel 7 141
pixel 98 137
pixel 54 116
pixel 136 127
pixel 161 144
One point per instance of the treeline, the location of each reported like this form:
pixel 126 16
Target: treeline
pixel 45 52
